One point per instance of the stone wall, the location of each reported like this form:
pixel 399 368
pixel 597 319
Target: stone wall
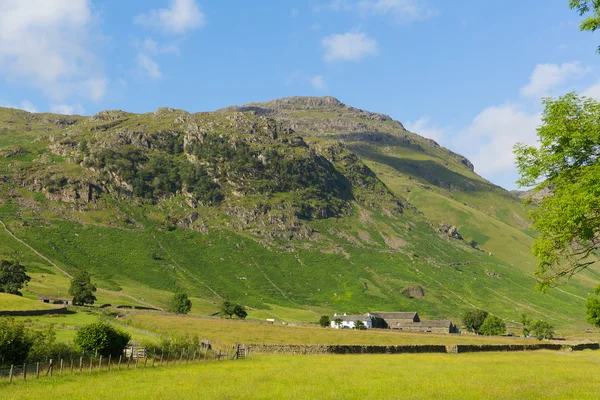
pixel 403 349
pixel 33 313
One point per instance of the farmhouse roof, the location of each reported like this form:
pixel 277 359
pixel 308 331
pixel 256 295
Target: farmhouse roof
pixel 353 317
pixel 395 315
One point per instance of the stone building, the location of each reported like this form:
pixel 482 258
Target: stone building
pixel 401 321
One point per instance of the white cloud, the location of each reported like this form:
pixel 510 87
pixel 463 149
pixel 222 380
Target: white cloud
pixel 593 91
pixel 294 12
pixel 67 109
pixel 546 77
pixel 318 82
pixel 423 127
pixel 23 105
pixel 400 10
pixel 148 67
pixel 488 141
pixel 349 46
pixel 180 17
pixel 46 43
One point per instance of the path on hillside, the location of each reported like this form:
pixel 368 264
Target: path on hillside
pixel 71 276
pixel 280 291
pixel 184 270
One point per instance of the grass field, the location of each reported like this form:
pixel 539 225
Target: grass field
pixel 10 302
pixel 528 375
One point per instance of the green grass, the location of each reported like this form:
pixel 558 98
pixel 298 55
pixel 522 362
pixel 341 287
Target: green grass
pixel 528 375
pixel 10 302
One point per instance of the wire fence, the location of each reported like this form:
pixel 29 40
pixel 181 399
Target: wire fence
pixel 88 363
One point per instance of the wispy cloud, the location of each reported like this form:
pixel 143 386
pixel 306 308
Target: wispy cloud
pixel 546 77
pixel 401 11
pixel 180 17
pixel 67 109
pixel 47 44
pixel 23 105
pixel 147 67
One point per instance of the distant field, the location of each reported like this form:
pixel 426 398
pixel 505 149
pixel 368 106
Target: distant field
pixel 528 375
pixel 236 331
pixel 11 302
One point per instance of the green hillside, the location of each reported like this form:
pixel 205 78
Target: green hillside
pixel 296 204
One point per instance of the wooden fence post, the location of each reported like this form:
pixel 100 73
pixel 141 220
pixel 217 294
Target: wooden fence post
pixel 145 361
pixel 153 359
pixel 91 362
pixel 137 360
pixel 127 362
pixel 10 374
pixel 109 357
pixel 80 364
pixel 61 365
pixel 161 358
pixel 119 364
pixel 25 371
pixel 71 366
pixel 100 363
pixel 49 371
pixel 181 357
pixel 37 370
pixel 167 364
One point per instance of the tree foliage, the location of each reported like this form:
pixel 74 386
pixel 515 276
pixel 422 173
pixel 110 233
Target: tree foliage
pixel 12 277
pixel 542 330
pixel 473 320
pixel 526 322
pixel 180 303
pixel 102 338
pixel 592 306
pixel 82 288
pixel 324 321
pixel 359 325
pixel 566 164
pixel 591 9
pixel 492 326
pixel 230 309
pixel 14 341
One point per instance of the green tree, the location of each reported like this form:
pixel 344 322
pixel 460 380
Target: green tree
pixel 592 306
pixel 542 330
pixel 12 277
pixel 82 288
pixel 226 308
pixel 591 8
pixel 472 320
pixel 324 321
pixel 526 322
pixel 359 325
pixel 338 322
pixel 239 311
pixel 14 341
pixel 102 338
pixel 566 164
pixel 180 303
pixel 492 326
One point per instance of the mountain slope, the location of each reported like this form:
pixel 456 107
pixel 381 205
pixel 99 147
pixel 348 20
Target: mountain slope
pixel 302 203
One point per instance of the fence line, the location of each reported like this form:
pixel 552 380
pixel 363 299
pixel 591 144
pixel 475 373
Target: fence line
pixel 90 363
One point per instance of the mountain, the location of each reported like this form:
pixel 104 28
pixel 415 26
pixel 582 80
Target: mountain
pixel 294 207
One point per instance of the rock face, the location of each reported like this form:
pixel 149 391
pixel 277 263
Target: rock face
pixel 451 231
pixel 414 292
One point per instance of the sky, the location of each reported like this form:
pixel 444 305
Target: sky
pixel 469 74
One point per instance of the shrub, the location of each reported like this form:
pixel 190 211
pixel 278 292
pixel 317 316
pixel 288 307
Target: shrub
pixel 180 303
pixel 101 338
pixel 15 343
pixel 230 309
pixel 472 320
pixel 324 321
pixel 492 326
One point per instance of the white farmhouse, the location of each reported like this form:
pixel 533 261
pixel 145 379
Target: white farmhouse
pixel 349 321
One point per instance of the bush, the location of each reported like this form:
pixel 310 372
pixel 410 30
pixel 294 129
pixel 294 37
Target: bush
pixel 492 326
pixel 542 330
pixel 472 320
pixel 324 321
pixel 15 342
pixel 101 338
pixel 230 309
pixel 180 303
pixel 12 277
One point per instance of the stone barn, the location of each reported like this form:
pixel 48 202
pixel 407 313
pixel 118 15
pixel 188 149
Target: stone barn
pixel 392 320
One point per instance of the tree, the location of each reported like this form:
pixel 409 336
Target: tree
pixel 82 288
pixel 338 322
pixel 14 341
pixel 324 321
pixel 102 338
pixel 359 325
pixel 542 330
pixel 526 322
pixel 239 311
pixel 566 165
pixel 12 277
pixel 472 320
pixel 592 306
pixel 180 303
pixel 492 326
pixel 230 309
pixel 583 7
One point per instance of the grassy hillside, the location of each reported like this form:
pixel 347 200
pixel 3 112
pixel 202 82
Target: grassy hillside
pixel 10 302
pixel 294 208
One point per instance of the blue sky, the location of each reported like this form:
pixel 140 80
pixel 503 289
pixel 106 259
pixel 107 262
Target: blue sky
pixel 469 74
